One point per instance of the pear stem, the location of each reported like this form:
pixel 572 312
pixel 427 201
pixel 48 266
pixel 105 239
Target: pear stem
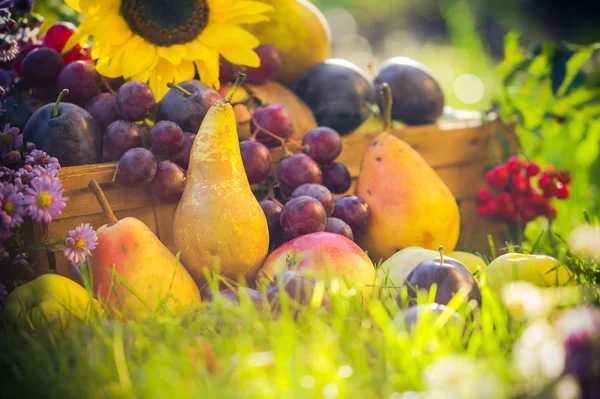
pixel 95 187
pixel 238 83
pixel 62 94
pixel 441 249
pixel 386 112
pixel 181 89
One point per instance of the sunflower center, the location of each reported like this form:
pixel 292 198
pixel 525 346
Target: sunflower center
pixel 44 199
pixel 165 23
pixel 8 207
pixel 6 139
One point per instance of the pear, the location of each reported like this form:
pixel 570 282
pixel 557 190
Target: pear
pixel 410 204
pixel 133 271
pixel 299 32
pixel 219 224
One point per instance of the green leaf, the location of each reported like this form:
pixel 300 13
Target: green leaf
pixel 574 65
pixel 588 149
pixel 512 52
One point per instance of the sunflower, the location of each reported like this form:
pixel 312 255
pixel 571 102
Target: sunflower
pixel 162 41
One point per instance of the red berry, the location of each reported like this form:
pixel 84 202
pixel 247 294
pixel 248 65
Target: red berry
pixel 562 192
pixel 549 170
pixel 539 203
pixel 564 178
pixel 550 191
pixel 484 196
pixel 58 35
pixel 520 183
pixel 520 201
pixel 529 214
pixel 483 210
pixel 545 182
pixel 492 207
pixel 551 212
pixel 516 164
pixel 505 203
pixel 498 177
pixel 532 169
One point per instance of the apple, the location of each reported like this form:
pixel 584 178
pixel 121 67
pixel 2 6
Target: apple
pixel 473 262
pixel 393 272
pixel 323 256
pixel 540 270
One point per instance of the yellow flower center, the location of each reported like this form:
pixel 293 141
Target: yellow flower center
pixel 80 243
pixel 44 199
pixel 6 139
pixel 166 22
pixel 8 207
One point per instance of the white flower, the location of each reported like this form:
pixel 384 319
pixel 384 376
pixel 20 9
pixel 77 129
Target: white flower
pixel 538 354
pixel 585 241
pixel 525 301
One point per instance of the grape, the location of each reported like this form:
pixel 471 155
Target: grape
pixel 58 35
pixel 272 212
pixel 336 177
pixel 257 160
pixel 41 67
pixel 21 56
pixel 82 80
pixel 227 71
pixel 169 182
pixel 297 170
pixel 275 119
pixel 113 83
pixel 303 215
pixel 182 156
pixel 135 101
pixel 324 144
pixel 353 210
pixel 119 137
pixel 136 168
pixel 166 137
pixel 318 192
pixel 102 108
pixel 270 64
pixel 338 226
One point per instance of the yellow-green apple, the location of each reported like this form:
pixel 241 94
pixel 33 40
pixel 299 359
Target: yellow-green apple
pixel 133 271
pixel 473 262
pixel 540 270
pixel 324 256
pixel 392 273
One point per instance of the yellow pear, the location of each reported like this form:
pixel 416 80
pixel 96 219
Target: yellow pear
pixel 219 224
pixel 410 204
pixel 299 32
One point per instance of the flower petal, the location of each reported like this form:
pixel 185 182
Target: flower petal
pixel 160 76
pixel 196 50
pixel 174 53
pixel 85 29
pixel 184 71
pixel 219 35
pixel 241 56
pixel 138 55
pixel 221 13
pixel 112 29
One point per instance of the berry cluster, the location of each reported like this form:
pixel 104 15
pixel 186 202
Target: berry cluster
pixel 514 199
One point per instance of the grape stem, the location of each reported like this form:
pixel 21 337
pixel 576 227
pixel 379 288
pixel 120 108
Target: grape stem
pixel 97 190
pixel 62 94
pixel 271 191
pixel 283 142
pixel 105 83
pixel 386 95
pixel 185 92
pixel 238 83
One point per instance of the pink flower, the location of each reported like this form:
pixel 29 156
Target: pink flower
pixel 79 244
pixel 10 139
pixel 12 207
pixel 25 175
pixel 44 198
pixel 37 157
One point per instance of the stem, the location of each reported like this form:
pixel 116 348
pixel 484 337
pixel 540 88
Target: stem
pixel 441 249
pixel 386 112
pixel 260 129
pixel 105 83
pixel 238 82
pixel 62 94
pixel 95 187
pixel 181 89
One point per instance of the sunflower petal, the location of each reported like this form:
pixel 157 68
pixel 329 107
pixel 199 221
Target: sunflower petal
pixel 174 53
pixel 138 55
pixel 74 4
pixel 219 35
pixel 162 74
pixel 196 51
pixel 221 13
pixel 144 76
pixel 241 56
pixel 111 65
pixel 247 19
pixel 112 29
pixel 184 71
pixel 85 29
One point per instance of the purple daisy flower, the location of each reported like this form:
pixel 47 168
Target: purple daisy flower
pixel 24 176
pixel 37 157
pixel 12 208
pixel 11 138
pixel 21 259
pixel 44 198
pixel 6 174
pixel 79 244
pixel 9 48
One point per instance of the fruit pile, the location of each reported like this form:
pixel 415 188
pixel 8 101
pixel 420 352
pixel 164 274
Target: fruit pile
pixel 513 198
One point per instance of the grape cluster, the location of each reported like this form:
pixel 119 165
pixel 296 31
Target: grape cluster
pixel 514 199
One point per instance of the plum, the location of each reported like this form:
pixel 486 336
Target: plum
pixel 417 97
pixel 233 295
pixel 339 94
pixel 297 287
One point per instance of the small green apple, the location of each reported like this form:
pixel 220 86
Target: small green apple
pixel 473 262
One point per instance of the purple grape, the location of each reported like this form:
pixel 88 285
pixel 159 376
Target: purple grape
pixel 166 137
pixel 303 215
pixel 82 80
pixel 41 67
pixel 336 177
pixel 353 210
pixel 136 168
pixel 323 144
pixel 297 170
pixel 318 192
pixel 169 182
pixel 295 286
pixel 270 64
pixel 102 108
pixel 135 101
pixel 338 226
pixel 257 160
pixel 275 119
pixel 113 83
pixel 119 137
pixel 182 156
pixel 272 212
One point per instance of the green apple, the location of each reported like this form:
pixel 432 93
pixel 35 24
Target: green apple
pixel 396 269
pixel 540 270
pixel 473 262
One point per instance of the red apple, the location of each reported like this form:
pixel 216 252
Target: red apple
pixel 323 256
